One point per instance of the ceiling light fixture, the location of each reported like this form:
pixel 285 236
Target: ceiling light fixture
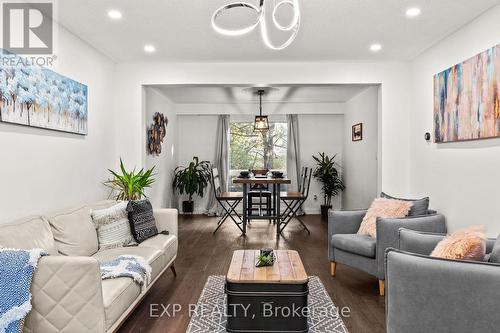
pixel 375 47
pixel 261 122
pixel 114 14
pixel 261 19
pixel 413 12
pixel 149 48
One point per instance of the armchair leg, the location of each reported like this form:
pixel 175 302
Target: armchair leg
pixel 381 287
pixel 172 267
pixel 333 268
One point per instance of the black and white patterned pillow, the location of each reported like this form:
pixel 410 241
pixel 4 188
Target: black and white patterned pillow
pixel 142 221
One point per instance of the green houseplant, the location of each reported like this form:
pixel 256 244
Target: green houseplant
pixel 130 185
pixel 191 180
pixel 326 172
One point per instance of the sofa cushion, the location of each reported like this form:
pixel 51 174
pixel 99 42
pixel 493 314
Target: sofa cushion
pixel 382 208
pixel 358 244
pixel 495 252
pixel 166 243
pixel 28 233
pixel 74 232
pixel 142 220
pixel 154 257
pixel 113 227
pixel 419 206
pixel 117 295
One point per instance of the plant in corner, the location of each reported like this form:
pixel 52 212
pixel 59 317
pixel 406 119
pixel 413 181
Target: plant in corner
pixel 130 184
pixel 191 180
pixel 326 172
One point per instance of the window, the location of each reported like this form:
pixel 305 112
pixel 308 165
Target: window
pixel 253 150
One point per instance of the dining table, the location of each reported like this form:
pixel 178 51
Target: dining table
pixel 275 213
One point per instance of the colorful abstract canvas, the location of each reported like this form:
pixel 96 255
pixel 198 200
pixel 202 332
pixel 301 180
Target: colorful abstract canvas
pixel 466 99
pixel 34 96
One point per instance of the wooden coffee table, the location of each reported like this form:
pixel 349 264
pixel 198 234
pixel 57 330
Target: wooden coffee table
pixel 266 299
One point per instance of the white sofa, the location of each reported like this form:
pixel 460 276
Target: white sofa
pixel 68 293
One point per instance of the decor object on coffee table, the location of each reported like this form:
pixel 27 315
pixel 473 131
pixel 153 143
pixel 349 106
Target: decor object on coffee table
pixel 357 132
pixel 466 99
pixel 326 172
pixel 192 180
pixel 130 184
pixel 366 253
pixel 282 285
pixel 446 294
pixel 156 133
pixel 34 96
pixel 324 317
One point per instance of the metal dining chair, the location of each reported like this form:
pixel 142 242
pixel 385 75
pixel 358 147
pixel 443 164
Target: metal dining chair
pixel 261 192
pixel 227 200
pixel 295 200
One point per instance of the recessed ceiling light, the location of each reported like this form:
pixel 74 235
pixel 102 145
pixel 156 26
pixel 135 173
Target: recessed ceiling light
pixel 149 48
pixel 114 14
pixel 375 47
pixel 413 12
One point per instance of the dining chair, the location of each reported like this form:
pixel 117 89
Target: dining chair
pixel 295 200
pixel 261 192
pixel 227 200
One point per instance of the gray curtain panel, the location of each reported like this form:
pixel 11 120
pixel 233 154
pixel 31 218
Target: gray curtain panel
pixel 220 161
pixel 293 151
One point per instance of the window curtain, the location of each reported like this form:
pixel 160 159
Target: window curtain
pixel 293 150
pixel 220 161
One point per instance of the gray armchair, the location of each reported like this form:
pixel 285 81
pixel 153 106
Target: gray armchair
pixel 364 252
pixel 426 294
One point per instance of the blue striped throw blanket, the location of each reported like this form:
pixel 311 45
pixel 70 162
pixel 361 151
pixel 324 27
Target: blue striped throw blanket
pixel 16 273
pixel 134 267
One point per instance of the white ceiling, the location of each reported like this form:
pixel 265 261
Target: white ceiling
pixel 281 94
pixel 330 30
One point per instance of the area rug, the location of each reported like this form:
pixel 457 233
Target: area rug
pixel 209 313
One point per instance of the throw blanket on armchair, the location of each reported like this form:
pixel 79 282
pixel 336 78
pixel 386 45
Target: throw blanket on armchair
pixel 127 266
pixel 16 273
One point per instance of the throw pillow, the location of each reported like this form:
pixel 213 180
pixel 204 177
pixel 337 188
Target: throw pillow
pixel 113 228
pixel 74 232
pixel 385 208
pixel 464 244
pixel 419 207
pixel 495 252
pixel 142 221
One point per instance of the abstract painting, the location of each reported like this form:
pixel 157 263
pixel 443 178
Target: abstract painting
pixel 34 96
pixel 466 99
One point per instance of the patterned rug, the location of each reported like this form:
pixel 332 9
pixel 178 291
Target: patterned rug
pixel 209 316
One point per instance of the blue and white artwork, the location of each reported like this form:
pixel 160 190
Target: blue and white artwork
pixel 39 97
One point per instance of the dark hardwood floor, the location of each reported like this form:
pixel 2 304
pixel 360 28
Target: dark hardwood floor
pixel 202 254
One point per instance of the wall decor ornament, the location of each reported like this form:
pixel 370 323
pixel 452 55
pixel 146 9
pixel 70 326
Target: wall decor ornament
pixel 34 96
pixel 466 99
pixel 156 133
pixel 357 132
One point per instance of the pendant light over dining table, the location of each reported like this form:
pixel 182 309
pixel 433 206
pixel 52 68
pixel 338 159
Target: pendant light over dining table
pixel 261 122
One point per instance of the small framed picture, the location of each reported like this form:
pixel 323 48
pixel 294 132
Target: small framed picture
pixel 357 132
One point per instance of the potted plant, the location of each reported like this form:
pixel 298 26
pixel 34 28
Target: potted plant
pixel 191 180
pixel 130 185
pixel 326 172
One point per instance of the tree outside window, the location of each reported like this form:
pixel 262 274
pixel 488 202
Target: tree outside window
pixel 250 150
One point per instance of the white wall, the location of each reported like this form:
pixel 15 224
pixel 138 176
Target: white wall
pixel 269 108
pixel 318 134
pixel 394 102
pixel 44 170
pixel 360 157
pixel 161 194
pixel 197 137
pixel 462 179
